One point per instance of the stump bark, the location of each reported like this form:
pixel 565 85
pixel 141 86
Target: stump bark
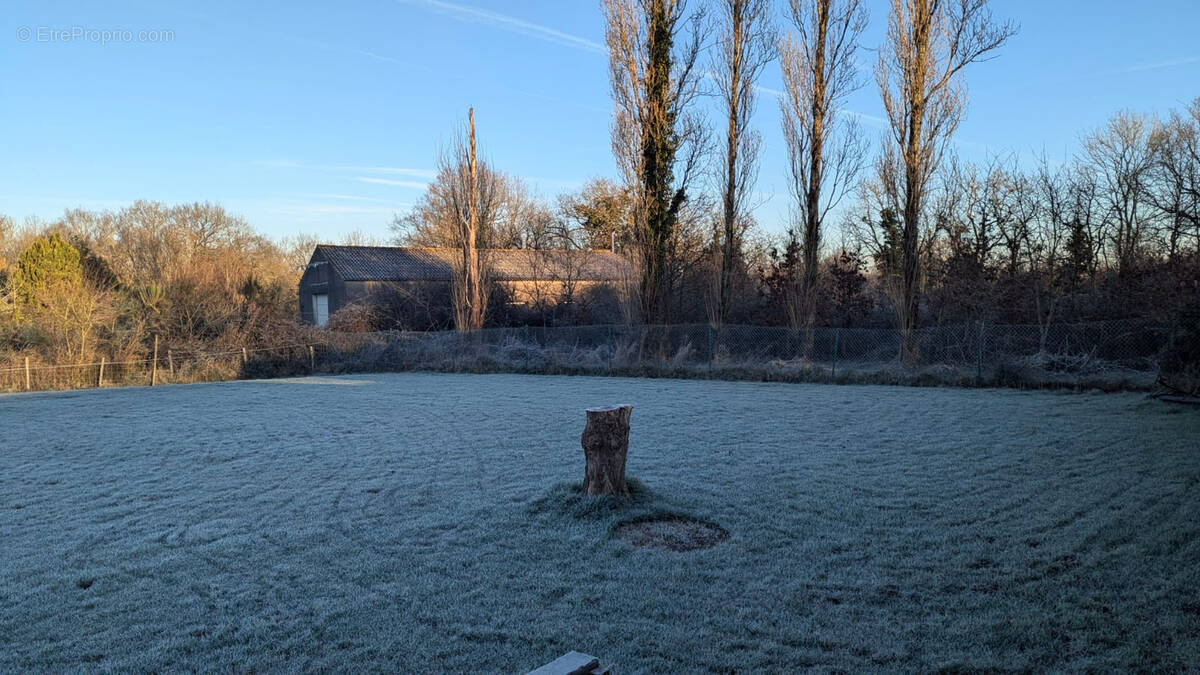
pixel 605 444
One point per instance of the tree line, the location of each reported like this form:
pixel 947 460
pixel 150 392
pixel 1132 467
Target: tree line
pixel 900 233
pixel 926 238
pixel 93 284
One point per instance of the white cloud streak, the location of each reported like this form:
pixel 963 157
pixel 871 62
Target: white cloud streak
pixel 1172 63
pixel 387 170
pixel 355 198
pixel 415 185
pixel 871 119
pixel 511 24
pixel 336 209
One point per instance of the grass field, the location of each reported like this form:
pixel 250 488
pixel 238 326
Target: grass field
pixel 424 522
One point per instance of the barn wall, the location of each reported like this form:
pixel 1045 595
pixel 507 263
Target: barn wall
pixel 320 277
pixel 550 291
pixel 407 305
pixel 315 280
pixel 593 301
pixel 353 292
pixel 425 305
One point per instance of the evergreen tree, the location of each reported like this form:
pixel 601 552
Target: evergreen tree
pixel 50 265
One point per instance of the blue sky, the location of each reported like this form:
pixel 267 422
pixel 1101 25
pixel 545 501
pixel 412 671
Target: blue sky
pixel 327 117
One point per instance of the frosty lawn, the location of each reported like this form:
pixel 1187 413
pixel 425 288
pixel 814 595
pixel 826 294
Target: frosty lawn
pixel 419 522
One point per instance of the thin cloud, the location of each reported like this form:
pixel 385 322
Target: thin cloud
pixel 556 183
pixel 356 198
pixel 416 185
pixel 390 170
pixel 382 58
pixel 872 119
pixel 777 93
pixel 416 173
pixel 337 209
pixel 1187 60
pixel 511 24
pixel 375 56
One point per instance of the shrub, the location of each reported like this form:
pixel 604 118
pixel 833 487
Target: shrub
pixel 1179 368
pixel 50 262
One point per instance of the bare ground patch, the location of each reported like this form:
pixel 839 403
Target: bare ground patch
pixel 672 533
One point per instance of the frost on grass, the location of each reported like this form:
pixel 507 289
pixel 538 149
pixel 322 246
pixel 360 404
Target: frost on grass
pixel 568 500
pixel 642 519
pixel 303 525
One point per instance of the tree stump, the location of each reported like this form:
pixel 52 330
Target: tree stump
pixel 605 443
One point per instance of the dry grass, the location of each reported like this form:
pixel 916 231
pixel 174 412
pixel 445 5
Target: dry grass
pixel 451 352
pixel 597 351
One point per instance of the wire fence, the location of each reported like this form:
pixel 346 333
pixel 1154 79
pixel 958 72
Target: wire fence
pixel 158 367
pixel 1113 353
pixel 1109 354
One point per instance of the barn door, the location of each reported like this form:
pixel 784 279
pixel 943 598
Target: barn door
pixel 321 310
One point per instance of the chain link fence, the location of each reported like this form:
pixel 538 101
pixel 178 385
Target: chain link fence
pixel 1109 355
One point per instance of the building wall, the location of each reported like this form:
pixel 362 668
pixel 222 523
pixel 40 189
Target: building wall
pixel 320 277
pixel 548 292
pixel 422 305
pixel 412 305
pixel 592 301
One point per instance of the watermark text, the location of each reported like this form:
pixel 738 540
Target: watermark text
pixel 101 36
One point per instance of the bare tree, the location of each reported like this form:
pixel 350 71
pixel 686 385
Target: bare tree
pixel 558 258
pixel 1122 158
pixel 469 291
pixel 460 210
pixel 874 226
pixel 1087 226
pixel 919 73
pixel 658 141
pixel 7 244
pixel 1176 180
pixel 745 46
pixel 506 211
pixel 984 212
pixel 825 148
pixel 1047 243
pixel 297 249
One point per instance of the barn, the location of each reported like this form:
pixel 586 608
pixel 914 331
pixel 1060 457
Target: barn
pixel 337 277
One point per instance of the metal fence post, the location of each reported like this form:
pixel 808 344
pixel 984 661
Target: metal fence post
pixel 710 345
pixel 979 356
pixel 528 345
pixel 612 340
pixel 837 339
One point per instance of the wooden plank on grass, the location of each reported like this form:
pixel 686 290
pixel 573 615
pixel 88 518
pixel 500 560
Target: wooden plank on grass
pixel 571 663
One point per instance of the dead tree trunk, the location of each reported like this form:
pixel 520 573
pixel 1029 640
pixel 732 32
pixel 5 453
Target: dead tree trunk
pixel 605 443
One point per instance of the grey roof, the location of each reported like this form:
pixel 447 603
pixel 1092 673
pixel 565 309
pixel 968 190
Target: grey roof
pixel 390 263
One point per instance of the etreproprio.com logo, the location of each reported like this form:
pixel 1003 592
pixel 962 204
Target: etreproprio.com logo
pixel 100 36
